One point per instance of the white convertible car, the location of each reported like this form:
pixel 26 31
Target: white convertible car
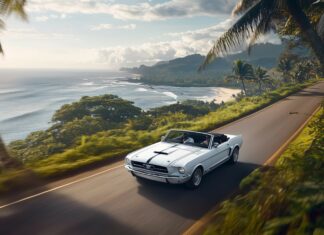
pixel 183 156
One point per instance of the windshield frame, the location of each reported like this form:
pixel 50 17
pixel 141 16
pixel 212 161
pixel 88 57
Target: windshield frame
pixel 190 134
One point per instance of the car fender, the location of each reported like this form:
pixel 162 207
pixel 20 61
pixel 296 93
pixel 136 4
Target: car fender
pixel 199 165
pixel 233 147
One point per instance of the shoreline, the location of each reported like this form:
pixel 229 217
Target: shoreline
pixel 226 94
pixel 17 125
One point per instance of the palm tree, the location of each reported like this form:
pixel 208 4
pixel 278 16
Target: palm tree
pixel 8 7
pixel 285 65
pixel 260 17
pixel 306 70
pixel 242 71
pixel 261 76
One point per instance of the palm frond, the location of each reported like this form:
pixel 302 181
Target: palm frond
pixel 264 27
pixel 241 31
pixel 243 5
pixel 1 50
pixel 8 7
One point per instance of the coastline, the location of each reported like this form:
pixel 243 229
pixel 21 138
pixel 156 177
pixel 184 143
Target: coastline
pixel 27 116
pixel 224 94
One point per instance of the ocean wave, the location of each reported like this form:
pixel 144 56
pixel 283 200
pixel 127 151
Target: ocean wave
pixel 141 89
pixel 170 94
pixel 22 116
pixel 10 91
pixel 169 102
pixel 87 84
pixel 128 83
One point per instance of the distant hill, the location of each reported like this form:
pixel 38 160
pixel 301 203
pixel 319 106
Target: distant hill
pixel 183 71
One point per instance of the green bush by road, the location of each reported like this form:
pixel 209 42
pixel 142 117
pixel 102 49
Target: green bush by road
pixel 91 148
pixel 285 199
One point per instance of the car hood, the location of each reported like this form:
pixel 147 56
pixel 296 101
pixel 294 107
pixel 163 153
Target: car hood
pixel 164 154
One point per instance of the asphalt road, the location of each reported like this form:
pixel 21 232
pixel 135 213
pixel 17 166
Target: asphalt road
pixel 115 203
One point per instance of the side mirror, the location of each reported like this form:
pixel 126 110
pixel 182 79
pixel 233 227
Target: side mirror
pixel 215 145
pixel 162 138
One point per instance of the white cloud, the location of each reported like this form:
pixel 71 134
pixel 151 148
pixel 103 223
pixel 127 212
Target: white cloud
pixel 110 26
pixel 41 18
pixel 141 11
pixel 34 34
pixel 184 43
pixel 44 18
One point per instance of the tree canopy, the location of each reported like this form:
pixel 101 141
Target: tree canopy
pixel 258 17
pixel 108 107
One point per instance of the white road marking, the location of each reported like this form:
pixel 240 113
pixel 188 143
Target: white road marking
pixel 59 187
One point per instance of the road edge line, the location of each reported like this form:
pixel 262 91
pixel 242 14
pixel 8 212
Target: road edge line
pixel 283 147
pixel 58 187
pixel 201 223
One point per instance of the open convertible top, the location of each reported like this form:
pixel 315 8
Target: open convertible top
pixel 219 138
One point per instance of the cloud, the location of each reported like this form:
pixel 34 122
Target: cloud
pixel 41 18
pixel 147 11
pixel 110 26
pixel 44 18
pixel 34 34
pixel 183 44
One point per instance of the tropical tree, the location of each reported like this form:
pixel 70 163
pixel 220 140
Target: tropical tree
pixel 8 7
pixel 262 16
pixel 242 72
pixel 261 76
pixel 285 65
pixel 305 71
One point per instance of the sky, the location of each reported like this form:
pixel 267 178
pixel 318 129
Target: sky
pixel 109 34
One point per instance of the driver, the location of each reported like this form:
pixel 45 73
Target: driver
pixel 187 139
pixel 206 141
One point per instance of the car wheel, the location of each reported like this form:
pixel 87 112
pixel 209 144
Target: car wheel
pixel 235 155
pixel 195 179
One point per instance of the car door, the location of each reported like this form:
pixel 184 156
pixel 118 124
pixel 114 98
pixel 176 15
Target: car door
pixel 219 153
pixel 210 158
pixel 223 151
pixel 213 156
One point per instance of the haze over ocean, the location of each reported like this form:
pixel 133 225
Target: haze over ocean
pixel 28 98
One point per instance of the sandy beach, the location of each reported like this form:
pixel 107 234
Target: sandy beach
pixel 222 94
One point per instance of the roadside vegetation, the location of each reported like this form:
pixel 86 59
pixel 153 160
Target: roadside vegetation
pixel 95 129
pixel 76 140
pixel 103 128
pixel 287 198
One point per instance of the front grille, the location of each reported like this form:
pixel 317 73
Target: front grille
pixel 150 167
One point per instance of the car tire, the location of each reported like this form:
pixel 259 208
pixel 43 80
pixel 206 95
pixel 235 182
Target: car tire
pixel 195 179
pixel 234 156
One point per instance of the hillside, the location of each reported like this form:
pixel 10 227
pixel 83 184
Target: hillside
pixel 183 71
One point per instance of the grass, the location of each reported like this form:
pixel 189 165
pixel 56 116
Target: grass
pixel 287 198
pixel 109 144
pixel 114 144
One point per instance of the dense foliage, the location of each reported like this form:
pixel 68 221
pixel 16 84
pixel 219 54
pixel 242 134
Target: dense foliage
pixel 89 139
pixel 183 71
pixel 110 108
pixel 259 17
pixel 293 203
pixel 90 115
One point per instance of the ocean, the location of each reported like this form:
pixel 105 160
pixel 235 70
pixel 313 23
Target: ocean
pixel 28 98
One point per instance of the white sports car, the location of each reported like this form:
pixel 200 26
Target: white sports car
pixel 183 156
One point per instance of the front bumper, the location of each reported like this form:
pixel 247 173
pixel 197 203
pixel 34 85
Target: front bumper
pixel 158 177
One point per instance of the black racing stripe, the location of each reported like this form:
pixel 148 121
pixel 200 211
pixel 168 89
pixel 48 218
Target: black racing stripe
pixel 150 159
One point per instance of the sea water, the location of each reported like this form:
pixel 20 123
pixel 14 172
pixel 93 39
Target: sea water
pixel 28 98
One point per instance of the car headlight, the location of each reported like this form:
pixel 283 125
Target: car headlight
pixel 127 161
pixel 181 170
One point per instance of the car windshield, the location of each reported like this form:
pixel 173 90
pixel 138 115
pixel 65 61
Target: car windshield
pixel 188 138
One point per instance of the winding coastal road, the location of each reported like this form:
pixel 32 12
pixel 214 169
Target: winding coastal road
pixel 113 202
